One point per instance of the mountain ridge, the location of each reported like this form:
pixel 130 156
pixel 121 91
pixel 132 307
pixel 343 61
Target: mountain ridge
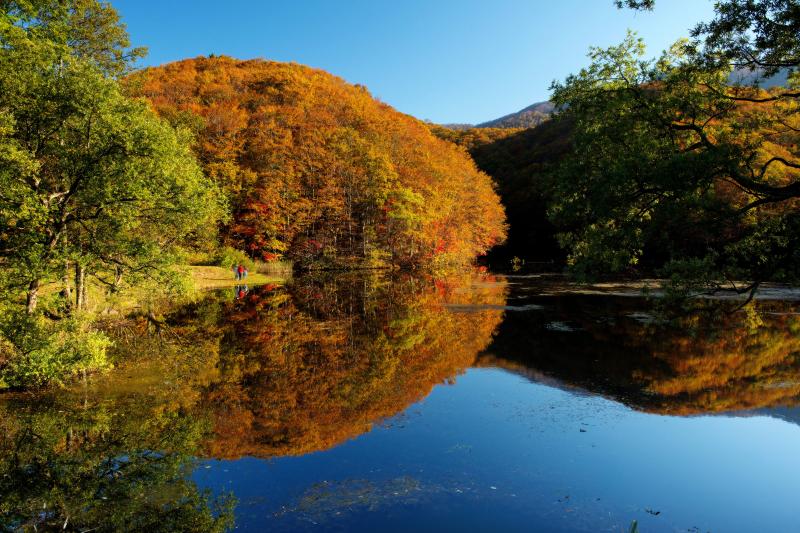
pixel 528 117
pixel 538 112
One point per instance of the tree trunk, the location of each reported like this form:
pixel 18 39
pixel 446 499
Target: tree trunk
pixel 84 299
pixel 80 288
pixel 33 296
pixel 117 279
pixel 67 286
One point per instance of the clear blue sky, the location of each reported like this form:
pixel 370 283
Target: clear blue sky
pixel 442 60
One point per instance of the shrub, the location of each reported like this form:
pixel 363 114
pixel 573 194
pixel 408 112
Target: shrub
pixel 37 351
pixel 227 257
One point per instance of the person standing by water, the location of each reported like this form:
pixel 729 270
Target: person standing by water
pixel 235 270
pixel 240 272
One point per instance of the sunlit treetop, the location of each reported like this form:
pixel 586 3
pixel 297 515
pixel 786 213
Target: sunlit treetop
pixel 756 35
pixel 87 29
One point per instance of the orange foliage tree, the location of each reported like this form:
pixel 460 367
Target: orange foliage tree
pixel 320 172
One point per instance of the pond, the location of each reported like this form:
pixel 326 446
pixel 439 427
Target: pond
pixel 396 403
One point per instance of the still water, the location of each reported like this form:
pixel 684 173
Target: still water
pixel 473 403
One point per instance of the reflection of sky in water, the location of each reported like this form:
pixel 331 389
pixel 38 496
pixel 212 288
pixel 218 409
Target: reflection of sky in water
pixel 558 423
pixel 498 452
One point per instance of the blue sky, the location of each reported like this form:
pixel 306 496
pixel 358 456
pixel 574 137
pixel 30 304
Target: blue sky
pixel 442 60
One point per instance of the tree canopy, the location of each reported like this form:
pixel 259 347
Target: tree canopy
pixel 91 180
pixel 53 30
pixel 674 166
pixel 320 172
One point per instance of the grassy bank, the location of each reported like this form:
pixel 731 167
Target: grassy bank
pixel 198 278
pixel 212 277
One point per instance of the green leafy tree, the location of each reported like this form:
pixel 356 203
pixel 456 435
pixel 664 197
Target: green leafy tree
pixel 88 175
pixel 760 36
pixel 93 176
pixel 92 183
pixel 57 29
pixel 636 4
pixel 673 167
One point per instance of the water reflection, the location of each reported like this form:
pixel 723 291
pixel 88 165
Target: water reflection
pixel 306 368
pixel 276 371
pixel 707 360
pixel 75 464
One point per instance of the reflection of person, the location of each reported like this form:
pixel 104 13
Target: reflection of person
pixel 240 292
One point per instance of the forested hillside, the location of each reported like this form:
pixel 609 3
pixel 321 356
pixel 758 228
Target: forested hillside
pixel 519 160
pixel 319 172
pixel 531 116
pixel 112 180
pixel 543 180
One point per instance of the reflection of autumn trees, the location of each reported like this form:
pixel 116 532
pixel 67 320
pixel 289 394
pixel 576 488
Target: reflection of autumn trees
pixel 295 369
pixel 304 367
pixel 701 363
pixel 732 367
pixel 305 370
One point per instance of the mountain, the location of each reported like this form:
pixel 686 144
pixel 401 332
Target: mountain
pixel 748 77
pixel 535 114
pixel 531 116
pixel 456 127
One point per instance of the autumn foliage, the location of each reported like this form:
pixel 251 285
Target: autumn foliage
pixel 320 172
pixel 703 362
pixel 308 370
